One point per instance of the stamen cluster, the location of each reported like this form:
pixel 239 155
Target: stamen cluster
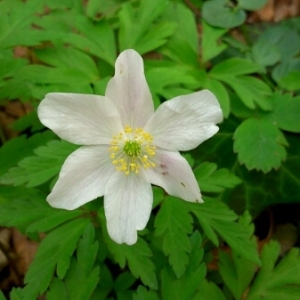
pixel 132 149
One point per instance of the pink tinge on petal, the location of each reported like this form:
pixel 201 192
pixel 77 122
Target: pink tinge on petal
pixel 129 90
pixel 83 177
pixel 127 205
pixel 80 119
pixel 184 122
pixel 173 173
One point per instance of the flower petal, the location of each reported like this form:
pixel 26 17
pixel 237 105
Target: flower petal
pixel 127 206
pixel 129 90
pixel 80 119
pixel 82 178
pixel 185 121
pixel 174 175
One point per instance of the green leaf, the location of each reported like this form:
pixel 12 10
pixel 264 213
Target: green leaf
pixel 214 216
pixel 220 92
pixel 291 81
pixel 182 46
pixel 221 14
pixel 187 285
pixel 236 271
pixel 57 290
pixel 260 190
pixel 19 147
pixel 82 270
pixel 124 281
pixel 265 54
pixel 63 57
pixel 259 144
pixel 211 45
pixel 60 242
pixel 136 256
pixel 286 112
pixel 251 91
pixel 233 67
pixel 252 5
pixel 136 30
pixel 77 30
pixel 16 25
pixel 27 208
pixel 209 290
pixel 38 169
pixel 212 180
pixel 173 222
pixel 2 296
pixel 281 36
pixel 143 294
pixel 277 281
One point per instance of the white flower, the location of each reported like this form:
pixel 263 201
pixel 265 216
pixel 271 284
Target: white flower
pixel 127 146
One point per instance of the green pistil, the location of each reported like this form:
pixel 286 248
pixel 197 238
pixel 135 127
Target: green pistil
pixel 132 148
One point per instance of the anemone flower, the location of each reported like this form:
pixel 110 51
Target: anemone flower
pixel 126 146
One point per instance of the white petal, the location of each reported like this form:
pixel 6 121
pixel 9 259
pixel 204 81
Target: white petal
pixel 173 173
pixel 80 119
pixel 127 205
pixel 185 121
pixel 129 90
pixel 82 178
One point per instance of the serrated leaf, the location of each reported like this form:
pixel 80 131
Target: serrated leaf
pixel 214 216
pixel 182 46
pixel 259 144
pixel 27 209
pixel 82 269
pixel 222 14
pixel 60 27
pixel 124 281
pixel 57 290
pixel 187 285
pixel 63 57
pixel 36 170
pixel 212 180
pixel 286 112
pixel 19 147
pixel 136 256
pixel 265 54
pixel 209 290
pixel 173 222
pixel 233 67
pixel 135 26
pixel 15 25
pixel 277 281
pixel 143 294
pixel 211 45
pixel 236 271
pixel 61 241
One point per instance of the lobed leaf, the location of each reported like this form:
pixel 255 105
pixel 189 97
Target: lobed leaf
pixel 173 222
pixel 259 144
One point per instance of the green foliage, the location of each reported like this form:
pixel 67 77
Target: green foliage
pixel 250 164
pixel 212 180
pixel 36 170
pixel 222 14
pixel 259 144
pixel 174 223
pixel 137 257
pixel 215 217
pixel 277 280
pixel 187 285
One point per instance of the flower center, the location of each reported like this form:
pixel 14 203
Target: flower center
pixel 132 149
